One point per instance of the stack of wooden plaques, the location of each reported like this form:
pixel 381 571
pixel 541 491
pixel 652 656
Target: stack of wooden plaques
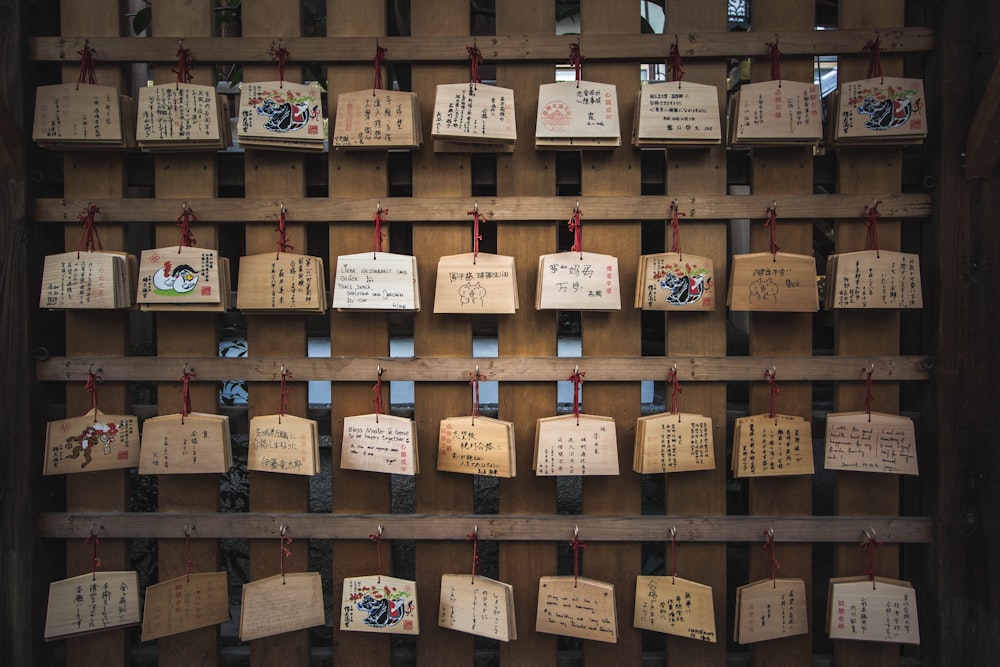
pixel 377 120
pixel 885 111
pixel 376 281
pixel 775 113
pixel 770 609
pixel 92 602
pixel 280 115
pixel 873 610
pixel 870 442
pixel 178 444
pixel 765 446
pixel 673 442
pixel 873 279
pixel 477 605
pixel 183 117
pixel 477 446
pixel 479 284
pixel 675 606
pixel 473 117
pixel 377 603
pixel 676 115
pixel 780 282
pixel 672 281
pixel 577 607
pixel 94 441
pixel 285 444
pixel 83 117
pixel 192 601
pixel 183 278
pixel 281 603
pixel 575 445
pixel 577 115
pixel 99 279
pixel 578 281
pixel 380 443
pixel 281 282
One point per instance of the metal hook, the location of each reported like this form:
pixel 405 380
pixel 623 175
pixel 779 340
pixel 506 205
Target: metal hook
pixel 378 207
pixel 576 209
pixel 282 529
pixel 673 367
pixel 576 369
pixel 477 371
pixel 770 533
pixel 673 532
pixel 378 370
pixel 870 369
pixel 184 371
pixel 576 531
pixel 95 529
pixel 188 529
pixel 475 207
pixel 676 39
pixel 378 531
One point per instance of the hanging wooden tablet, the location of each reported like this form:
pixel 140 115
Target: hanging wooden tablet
pixel 377 603
pixel 280 115
pixel 281 282
pixel 282 603
pixel 669 442
pixel 285 444
pixel 90 279
pixel 83 116
pixel 677 114
pixel 675 606
pixel 477 605
pixel 377 120
pixel 770 609
pixel 477 446
pixel 883 610
pixel 473 113
pixel 182 117
pixel 376 281
pixel 480 284
pixel 185 603
pixel 870 443
pixel 578 281
pixel 880 111
pixel 874 279
pixel 576 445
pixel 577 115
pixel 776 113
pixel 779 282
pixel 766 446
pixel 675 281
pixel 92 602
pixel 380 443
pixel 94 441
pixel 577 607
pixel 181 276
pixel 182 444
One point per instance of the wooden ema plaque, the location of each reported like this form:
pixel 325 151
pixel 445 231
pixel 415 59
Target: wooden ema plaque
pixel 193 443
pixel 874 279
pixel 182 117
pixel 576 115
pixel 95 441
pixel 776 113
pixel 673 442
pixel 883 610
pixel 83 116
pixel 377 120
pixel 677 115
pixel 782 282
pixel 281 116
pixel 770 609
pixel 577 607
pixel 571 445
pixel 876 443
pixel 477 605
pixel 376 281
pixel 473 113
pixel 380 443
pixel 185 603
pixel 282 603
pixel 479 284
pixel 675 281
pixel 86 280
pixel 92 602
pixel 477 446
pixel 675 606
pixel 284 444
pixel 180 275
pixel 282 282
pixel 765 446
pixel 882 111
pixel 578 281
pixel 377 603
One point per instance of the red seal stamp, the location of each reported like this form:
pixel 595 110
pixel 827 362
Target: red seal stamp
pixel 556 116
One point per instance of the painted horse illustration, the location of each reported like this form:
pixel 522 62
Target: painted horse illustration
pixel 684 290
pixel 384 612
pixel 286 117
pixel 94 434
pixel 885 114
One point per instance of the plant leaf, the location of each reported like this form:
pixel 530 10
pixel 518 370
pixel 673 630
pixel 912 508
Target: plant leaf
pixel 141 20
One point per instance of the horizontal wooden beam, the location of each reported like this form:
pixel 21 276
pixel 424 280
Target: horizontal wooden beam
pixel 533 527
pixel 511 48
pixel 496 209
pixel 503 369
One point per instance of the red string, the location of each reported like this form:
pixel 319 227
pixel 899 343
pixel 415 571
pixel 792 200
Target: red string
pixel 377 539
pixel 475 60
pixel 87 61
pixel 379 219
pixel 772 222
pixel 871 222
pixel 91 387
pixel 285 393
pixel 577 379
pixel 874 49
pixel 869 397
pixel 676 71
pixel 575 225
pixel 576 60
pixel 774 391
pixel 476 236
pixel 675 393
pixel 377 391
pixel 379 55
pixel 774 56
pixel 280 54
pixel 184 221
pixel 285 552
pixel 185 62
pixel 772 563
pixel 185 381
pixel 96 562
pixel 577 545
pixel 89 239
pixel 474 538
pixel 870 544
pixel 188 563
pixel 283 244
pixel 477 377
pixel 675 225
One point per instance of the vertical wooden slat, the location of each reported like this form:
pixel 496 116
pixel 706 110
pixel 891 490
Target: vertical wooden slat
pixel 276 174
pixel 529 332
pixel 355 174
pixel 693 173
pixel 614 172
pixel 436 335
